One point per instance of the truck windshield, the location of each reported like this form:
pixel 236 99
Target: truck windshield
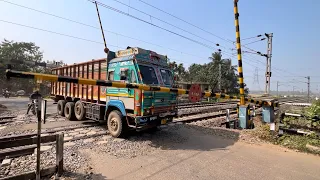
pixel 166 76
pixel 148 75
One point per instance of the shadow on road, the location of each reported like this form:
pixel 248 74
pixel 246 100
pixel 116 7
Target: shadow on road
pixel 74 175
pixel 188 137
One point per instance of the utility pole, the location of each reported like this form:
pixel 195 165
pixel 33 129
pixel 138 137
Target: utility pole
pixel 277 88
pixel 268 67
pixel 256 78
pixel 219 78
pixel 293 90
pixel 308 77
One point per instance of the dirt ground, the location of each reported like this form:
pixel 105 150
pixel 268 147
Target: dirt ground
pixel 198 155
pixel 186 151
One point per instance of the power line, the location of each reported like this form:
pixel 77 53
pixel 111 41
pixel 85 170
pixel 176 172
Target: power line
pixel 172 32
pixel 57 33
pixel 229 41
pixel 119 11
pixel 262 39
pixel 66 35
pixel 250 37
pixel 124 13
pixel 98 28
pixel 185 21
pixel 151 16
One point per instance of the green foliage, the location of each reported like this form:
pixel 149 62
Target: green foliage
pixel 22 56
pixel 299 142
pixel 209 72
pixel 313 110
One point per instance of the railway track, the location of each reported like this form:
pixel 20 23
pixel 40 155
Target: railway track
pixel 206 109
pixel 204 104
pixel 294 101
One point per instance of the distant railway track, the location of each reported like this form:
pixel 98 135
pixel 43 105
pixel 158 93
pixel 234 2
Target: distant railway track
pixel 206 109
pixel 204 104
pixel 200 117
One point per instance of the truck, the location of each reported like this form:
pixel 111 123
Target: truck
pixel 125 108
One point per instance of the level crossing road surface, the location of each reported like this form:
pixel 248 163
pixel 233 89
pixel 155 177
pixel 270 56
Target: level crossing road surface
pixel 193 154
pixel 210 157
pixel 21 104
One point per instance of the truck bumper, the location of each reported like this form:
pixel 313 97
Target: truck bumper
pixel 146 122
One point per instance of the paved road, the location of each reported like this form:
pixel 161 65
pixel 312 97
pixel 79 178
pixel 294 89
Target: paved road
pixel 20 104
pixel 209 157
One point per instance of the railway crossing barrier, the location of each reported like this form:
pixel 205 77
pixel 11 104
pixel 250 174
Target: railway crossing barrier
pixel 243 111
pixel 56 78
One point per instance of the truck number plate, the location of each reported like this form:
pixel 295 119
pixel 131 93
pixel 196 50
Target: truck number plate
pixel 163 121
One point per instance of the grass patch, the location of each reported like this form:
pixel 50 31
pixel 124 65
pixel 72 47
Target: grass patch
pixel 299 142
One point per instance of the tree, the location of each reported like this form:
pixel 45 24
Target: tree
pixel 22 56
pixel 209 73
pixel 178 70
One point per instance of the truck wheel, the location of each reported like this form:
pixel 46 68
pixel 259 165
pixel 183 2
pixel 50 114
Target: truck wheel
pixel 115 124
pixel 69 111
pixel 60 107
pixel 79 111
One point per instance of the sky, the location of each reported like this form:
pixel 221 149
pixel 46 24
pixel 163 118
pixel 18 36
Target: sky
pixel 294 25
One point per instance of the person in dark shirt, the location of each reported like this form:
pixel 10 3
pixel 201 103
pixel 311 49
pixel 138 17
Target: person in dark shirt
pixel 33 96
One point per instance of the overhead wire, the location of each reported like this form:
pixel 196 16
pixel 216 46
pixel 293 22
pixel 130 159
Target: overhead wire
pixel 152 24
pixel 170 24
pixel 250 38
pixel 262 39
pixel 57 33
pixel 66 35
pixel 91 26
pixel 191 24
pixel 61 34
pixel 124 13
pixel 98 28
pixel 186 21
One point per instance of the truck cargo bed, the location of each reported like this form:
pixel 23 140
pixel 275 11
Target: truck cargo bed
pixel 95 69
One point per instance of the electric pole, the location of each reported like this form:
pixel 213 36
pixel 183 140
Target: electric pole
pixel 308 77
pixel 256 78
pixel 268 67
pixel 277 88
pixel 219 77
pixel 293 90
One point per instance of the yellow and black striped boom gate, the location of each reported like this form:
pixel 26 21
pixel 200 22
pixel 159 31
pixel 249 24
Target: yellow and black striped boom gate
pixel 56 78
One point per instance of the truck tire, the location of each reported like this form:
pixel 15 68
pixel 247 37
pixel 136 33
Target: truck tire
pixel 79 111
pixel 60 107
pixel 115 124
pixel 69 111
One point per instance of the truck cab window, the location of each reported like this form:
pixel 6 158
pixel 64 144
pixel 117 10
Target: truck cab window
pixel 111 75
pixel 148 75
pixel 166 76
pixel 133 77
pixel 124 75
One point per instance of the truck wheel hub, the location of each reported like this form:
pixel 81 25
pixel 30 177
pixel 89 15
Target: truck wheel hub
pixel 114 124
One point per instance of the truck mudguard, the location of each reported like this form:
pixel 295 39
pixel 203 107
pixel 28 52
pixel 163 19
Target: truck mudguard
pixel 118 104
